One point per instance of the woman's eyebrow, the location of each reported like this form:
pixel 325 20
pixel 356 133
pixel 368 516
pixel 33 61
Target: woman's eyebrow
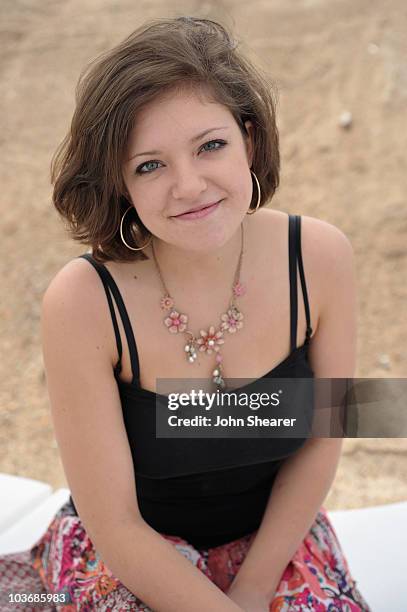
pixel 193 139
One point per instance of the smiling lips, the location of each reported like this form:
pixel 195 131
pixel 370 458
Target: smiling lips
pixel 198 214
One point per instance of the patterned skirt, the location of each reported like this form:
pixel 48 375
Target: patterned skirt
pixel 64 563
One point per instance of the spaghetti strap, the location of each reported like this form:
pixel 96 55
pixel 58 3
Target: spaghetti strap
pixel 302 277
pixel 118 366
pixel 294 241
pixel 111 288
pixel 292 264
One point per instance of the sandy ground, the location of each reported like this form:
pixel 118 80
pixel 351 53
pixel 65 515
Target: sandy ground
pixel 326 58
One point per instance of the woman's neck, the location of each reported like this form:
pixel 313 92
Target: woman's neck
pixel 199 269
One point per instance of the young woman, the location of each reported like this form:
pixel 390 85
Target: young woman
pixel 171 157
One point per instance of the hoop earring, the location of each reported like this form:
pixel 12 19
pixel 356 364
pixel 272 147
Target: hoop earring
pixel 251 212
pixel 122 237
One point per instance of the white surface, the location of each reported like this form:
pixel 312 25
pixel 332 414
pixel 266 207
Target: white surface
pixel 27 530
pixel 18 496
pixel 374 541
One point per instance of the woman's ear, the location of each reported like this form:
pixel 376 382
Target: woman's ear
pixel 249 141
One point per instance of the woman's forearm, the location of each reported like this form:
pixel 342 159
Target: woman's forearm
pixel 300 488
pixel 152 569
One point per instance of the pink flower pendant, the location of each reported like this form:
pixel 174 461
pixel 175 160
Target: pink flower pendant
pixel 232 320
pixel 176 322
pixel 210 340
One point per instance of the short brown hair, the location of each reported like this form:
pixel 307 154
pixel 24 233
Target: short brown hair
pixel 161 55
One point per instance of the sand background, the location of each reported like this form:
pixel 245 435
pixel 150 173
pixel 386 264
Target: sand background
pixel 327 58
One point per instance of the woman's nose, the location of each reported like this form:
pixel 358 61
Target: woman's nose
pixel 188 183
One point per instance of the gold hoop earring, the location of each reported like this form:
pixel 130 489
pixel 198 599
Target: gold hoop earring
pixel 122 237
pixel 251 212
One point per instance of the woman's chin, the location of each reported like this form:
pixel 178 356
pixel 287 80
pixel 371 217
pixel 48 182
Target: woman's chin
pixel 203 235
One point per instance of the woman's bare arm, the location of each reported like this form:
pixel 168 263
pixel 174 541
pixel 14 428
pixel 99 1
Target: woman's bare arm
pixel 79 350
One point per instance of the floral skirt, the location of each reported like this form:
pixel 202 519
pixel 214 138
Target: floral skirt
pixel 64 563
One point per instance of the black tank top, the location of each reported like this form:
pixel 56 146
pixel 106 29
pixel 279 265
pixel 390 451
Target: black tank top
pixel 207 491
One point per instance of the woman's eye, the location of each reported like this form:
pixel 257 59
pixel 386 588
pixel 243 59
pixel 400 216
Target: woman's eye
pixel 139 169
pixel 221 144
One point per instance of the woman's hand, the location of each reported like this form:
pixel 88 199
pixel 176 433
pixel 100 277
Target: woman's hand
pixel 249 600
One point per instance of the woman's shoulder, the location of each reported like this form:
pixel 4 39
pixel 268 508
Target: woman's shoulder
pixel 75 300
pixel 327 249
pixel 324 233
pixel 80 276
pixel 312 228
pixel 328 261
pixel 76 279
pixel 327 254
pixel 321 242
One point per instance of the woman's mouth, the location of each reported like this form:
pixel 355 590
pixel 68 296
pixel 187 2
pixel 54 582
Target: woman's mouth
pixel 198 214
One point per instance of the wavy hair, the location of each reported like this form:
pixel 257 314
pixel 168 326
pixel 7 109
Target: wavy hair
pixel 162 55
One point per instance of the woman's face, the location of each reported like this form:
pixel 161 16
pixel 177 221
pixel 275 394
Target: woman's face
pixel 171 167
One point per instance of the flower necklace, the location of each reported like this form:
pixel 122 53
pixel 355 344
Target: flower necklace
pixel 209 341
